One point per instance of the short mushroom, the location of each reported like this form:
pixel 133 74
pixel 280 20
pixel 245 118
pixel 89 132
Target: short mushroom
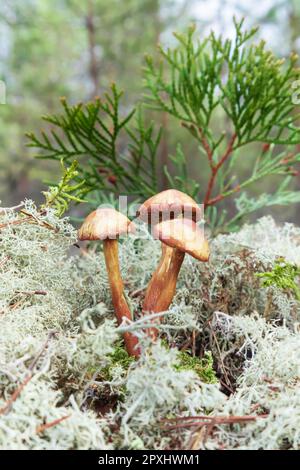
pixel 107 225
pixel 182 236
pixel 185 236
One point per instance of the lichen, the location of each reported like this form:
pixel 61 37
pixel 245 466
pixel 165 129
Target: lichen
pixel 268 387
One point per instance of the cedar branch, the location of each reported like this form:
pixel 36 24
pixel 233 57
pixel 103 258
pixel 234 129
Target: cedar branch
pixel 215 168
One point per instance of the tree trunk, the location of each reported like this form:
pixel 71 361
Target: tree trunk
pixel 91 31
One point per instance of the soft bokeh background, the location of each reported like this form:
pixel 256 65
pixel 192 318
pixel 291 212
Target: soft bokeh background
pixel 75 48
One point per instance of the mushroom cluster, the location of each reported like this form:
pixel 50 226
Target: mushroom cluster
pixel 172 217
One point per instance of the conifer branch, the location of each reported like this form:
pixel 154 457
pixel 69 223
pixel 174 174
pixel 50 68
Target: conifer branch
pixel 198 83
pixel 113 156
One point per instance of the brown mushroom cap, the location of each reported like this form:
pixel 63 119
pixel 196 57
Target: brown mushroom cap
pixel 184 235
pixel 169 204
pixel 103 224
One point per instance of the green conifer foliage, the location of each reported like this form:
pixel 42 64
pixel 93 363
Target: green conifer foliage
pixel 199 83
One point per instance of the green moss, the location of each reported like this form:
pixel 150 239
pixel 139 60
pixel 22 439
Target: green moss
pixel 283 276
pixel 203 367
pixel 118 358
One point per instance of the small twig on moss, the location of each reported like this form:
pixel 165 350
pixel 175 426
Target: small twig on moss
pixel 3 261
pixel 15 222
pixel 205 425
pixel 205 428
pixel 39 354
pixel 221 359
pixel 14 208
pixel 44 427
pixel 30 218
pixel 16 305
pixel 38 221
pixel 7 407
pixel 32 292
pixel 138 292
pixel 226 386
pixel 194 343
pixel 190 342
pixel 203 420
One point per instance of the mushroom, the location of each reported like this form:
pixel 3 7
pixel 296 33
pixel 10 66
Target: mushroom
pixel 107 225
pixel 170 208
pixel 182 236
pixel 185 236
pixel 169 204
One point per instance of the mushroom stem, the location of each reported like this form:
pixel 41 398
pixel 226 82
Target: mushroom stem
pixel 162 286
pixel 121 307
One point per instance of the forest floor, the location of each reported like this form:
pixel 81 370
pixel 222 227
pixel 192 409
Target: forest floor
pixel 224 373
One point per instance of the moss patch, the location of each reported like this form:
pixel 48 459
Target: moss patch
pixel 118 358
pixel 203 367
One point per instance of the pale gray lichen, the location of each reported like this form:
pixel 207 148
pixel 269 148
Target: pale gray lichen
pixel 268 387
pixel 37 405
pixel 157 390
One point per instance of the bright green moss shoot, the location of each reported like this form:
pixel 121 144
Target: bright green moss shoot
pixel 203 367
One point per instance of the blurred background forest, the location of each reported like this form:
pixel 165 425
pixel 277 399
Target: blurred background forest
pixel 76 48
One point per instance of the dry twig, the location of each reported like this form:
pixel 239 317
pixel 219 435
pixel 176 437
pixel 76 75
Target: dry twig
pixel 221 360
pixel 7 407
pixel 44 427
pixel 205 425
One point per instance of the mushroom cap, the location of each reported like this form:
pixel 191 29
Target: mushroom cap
pixel 105 223
pixel 169 204
pixel 185 235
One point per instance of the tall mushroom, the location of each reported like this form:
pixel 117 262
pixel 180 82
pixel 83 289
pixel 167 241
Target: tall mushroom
pixel 174 207
pixel 107 225
pixel 169 204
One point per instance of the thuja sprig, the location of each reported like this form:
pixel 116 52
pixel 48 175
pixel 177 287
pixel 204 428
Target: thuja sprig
pixel 201 82
pixel 248 82
pixel 59 196
pixel 205 85
pixel 113 158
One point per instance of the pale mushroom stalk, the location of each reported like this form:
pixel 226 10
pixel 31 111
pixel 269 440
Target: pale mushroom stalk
pixel 121 307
